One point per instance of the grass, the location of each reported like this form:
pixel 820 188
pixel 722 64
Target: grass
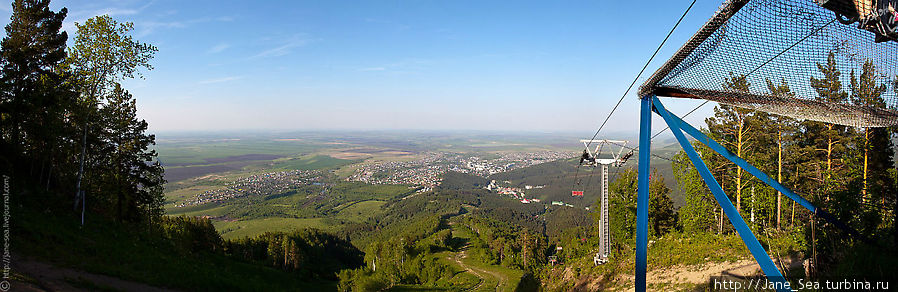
pixel 210 209
pixel 512 276
pixel 253 227
pixel 130 253
pixel 696 249
pixel 197 151
pixel 461 280
pixel 343 203
pixel 311 162
pixel 352 212
pixel 360 211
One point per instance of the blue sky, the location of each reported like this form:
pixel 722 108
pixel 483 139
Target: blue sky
pixel 556 66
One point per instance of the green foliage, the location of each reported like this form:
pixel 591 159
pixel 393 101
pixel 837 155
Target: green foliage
pixel 404 257
pixel 695 249
pixel 361 280
pixel 559 219
pixel 104 53
pixel 699 214
pixel 622 197
pixel 190 234
pixel 499 243
pixel 129 173
pixel 41 116
pixel 33 99
pixel 309 252
pixel 171 254
pixel 462 181
pixel 849 172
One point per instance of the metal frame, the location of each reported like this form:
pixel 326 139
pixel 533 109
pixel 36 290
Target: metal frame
pixel 649 104
pixel 677 126
pixel 616 159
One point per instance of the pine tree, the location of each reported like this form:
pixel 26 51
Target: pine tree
pixel 134 173
pixel 731 126
pixel 622 195
pixel 103 54
pixel 867 91
pixel 785 129
pixel 829 89
pixel 33 101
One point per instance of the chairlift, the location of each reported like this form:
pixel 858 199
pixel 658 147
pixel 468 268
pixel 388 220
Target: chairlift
pixel 877 16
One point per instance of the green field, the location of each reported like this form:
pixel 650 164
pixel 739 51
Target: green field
pixel 360 211
pixel 232 229
pixel 312 162
pixel 253 227
pixel 194 151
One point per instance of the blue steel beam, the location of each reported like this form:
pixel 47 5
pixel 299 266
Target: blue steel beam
pixel 760 255
pixel 701 137
pixel 642 197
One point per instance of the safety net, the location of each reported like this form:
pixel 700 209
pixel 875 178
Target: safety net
pixel 829 61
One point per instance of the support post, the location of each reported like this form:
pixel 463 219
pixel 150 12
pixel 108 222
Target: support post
pixel 642 196
pixel 604 225
pixel 760 255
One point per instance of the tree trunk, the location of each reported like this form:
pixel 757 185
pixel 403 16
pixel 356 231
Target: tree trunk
pixel 752 204
pixel 866 151
pixel 792 218
pixel 720 222
pixel 829 162
pixel 739 169
pixel 779 178
pixel 81 170
pixel 720 216
pixel 49 175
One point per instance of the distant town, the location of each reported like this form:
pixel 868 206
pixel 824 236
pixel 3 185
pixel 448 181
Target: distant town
pixel 427 172
pixel 423 174
pixel 260 184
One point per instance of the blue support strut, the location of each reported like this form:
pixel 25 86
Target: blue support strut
pixel 642 197
pixel 760 255
pixel 701 137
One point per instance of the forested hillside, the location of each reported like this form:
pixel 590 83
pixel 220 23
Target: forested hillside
pixel 85 185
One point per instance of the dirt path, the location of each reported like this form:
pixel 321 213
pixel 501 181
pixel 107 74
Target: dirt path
pixel 501 280
pixel 40 276
pixel 457 260
pixel 700 274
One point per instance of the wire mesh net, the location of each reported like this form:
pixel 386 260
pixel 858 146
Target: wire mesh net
pixel 792 58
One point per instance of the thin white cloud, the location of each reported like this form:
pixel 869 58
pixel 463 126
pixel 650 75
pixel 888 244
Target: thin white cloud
pixel 81 16
pixel 218 48
pixel 116 11
pixel 373 69
pixel 221 80
pixel 283 49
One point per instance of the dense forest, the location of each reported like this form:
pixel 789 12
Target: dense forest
pixel 85 180
pixel 67 124
pixel 847 171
